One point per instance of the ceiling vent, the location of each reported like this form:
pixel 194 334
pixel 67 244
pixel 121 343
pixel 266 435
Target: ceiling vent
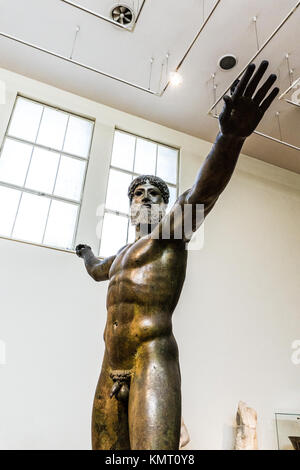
pixel 227 62
pixel 122 14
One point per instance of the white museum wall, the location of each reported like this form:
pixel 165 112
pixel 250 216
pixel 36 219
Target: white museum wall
pixel 235 322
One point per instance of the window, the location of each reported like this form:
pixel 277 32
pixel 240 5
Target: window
pixel 131 157
pixel 43 163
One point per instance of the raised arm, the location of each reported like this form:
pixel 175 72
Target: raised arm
pixel 240 116
pixel 97 269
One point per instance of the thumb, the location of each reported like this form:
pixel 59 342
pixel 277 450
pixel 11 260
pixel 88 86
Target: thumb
pixel 228 107
pixel 228 102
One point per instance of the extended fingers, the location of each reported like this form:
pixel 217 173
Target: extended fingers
pixel 267 102
pixel 239 90
pixel 262 91
pixel 256 78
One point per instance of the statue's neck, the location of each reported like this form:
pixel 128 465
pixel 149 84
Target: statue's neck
pixel 141 230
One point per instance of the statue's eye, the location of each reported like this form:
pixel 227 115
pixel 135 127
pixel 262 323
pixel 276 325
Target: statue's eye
pixel 137 193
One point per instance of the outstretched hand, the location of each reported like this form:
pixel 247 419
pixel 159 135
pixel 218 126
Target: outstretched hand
pixel 242 111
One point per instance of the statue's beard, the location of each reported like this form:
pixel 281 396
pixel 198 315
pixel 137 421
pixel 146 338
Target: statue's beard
pixel 142 215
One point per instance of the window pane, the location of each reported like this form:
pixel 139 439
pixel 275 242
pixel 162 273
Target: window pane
pixel 78 137
pixel 14 162
pixel 70 178
pixel 61 224
pixel 114 234
pixel 123 151
pixel 53 128
pixel 9 200
pixel 42 171
pixel 131 233
pixel 167 164
pixel 117 198
pixel 145 157
pixel 31 218
pixel 25 120
pixel 173 196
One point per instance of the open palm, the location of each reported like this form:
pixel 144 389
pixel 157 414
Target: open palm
pixel 242 111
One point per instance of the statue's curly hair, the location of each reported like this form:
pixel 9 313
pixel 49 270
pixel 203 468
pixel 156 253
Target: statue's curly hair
pixel 151 179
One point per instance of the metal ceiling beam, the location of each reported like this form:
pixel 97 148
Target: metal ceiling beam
pixel 75 62
pixel 293 85
pixel 256 54
pixel 266 136
pixel 282 142
pixel 105 18
pixel 192 43
pixel 100 72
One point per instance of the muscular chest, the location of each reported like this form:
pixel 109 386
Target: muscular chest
pixel 147 271
pixel 137 255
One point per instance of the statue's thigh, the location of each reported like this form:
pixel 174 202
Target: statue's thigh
pixel 154 409
pixel 110 417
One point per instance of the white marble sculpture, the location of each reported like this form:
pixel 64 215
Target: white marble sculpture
pixel 246 420
pixel 184 435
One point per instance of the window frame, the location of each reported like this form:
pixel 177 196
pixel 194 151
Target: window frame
pixel 134 174
pixel 61 153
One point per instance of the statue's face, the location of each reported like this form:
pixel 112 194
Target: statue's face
pixel 147 205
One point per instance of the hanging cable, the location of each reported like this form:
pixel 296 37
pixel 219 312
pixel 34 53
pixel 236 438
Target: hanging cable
pixel 150 72
pixel 167 66
pixel 256 33
pixel 215 116
pixel 161 75
pixel 74 41
pixel 279 126
pixel 292 11
pixel 213 76
pixel 76 62
pixel 290 71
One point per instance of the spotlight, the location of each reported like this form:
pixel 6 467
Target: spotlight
pixel 175 78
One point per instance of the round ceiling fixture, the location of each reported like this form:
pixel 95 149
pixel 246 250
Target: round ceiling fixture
pixel 122 14
pixel 227 62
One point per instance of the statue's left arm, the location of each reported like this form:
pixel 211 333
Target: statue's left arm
pixel 240 116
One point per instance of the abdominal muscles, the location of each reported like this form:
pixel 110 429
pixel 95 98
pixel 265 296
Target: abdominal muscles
pixel 128 327
pixel 140 304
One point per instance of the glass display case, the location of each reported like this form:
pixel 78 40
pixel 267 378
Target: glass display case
pixel 288 431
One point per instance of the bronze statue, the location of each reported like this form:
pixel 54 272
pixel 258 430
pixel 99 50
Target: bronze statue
pixel 137 403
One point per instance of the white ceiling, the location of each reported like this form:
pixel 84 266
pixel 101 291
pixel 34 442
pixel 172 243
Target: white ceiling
pixel 163 26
